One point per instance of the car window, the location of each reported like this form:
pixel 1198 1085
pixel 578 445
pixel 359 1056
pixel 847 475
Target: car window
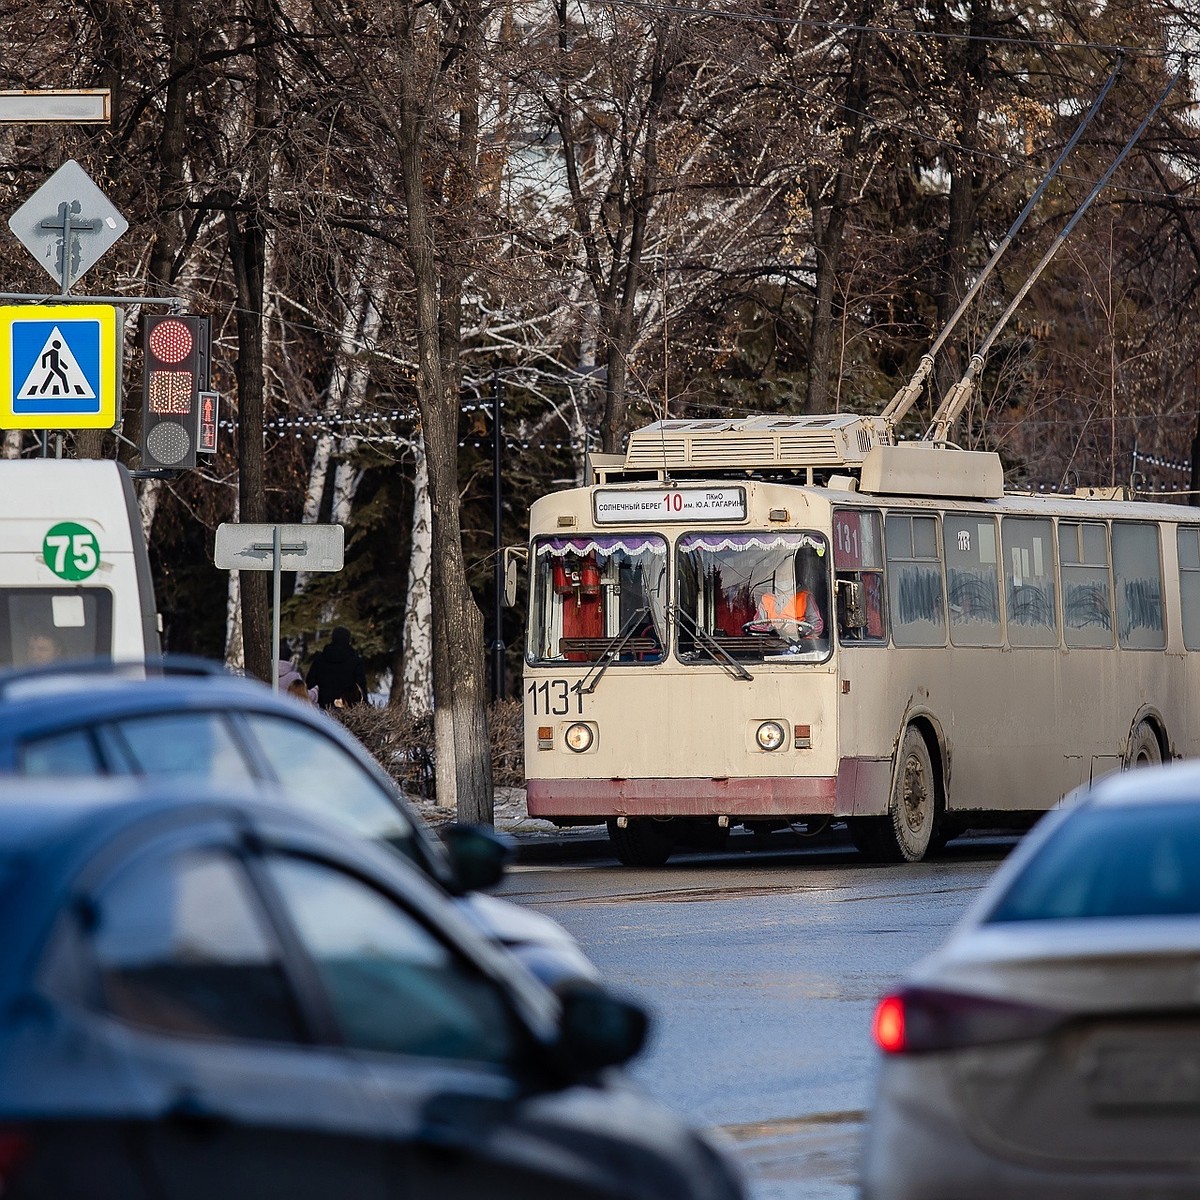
pixel 71 753
pixel 1137 862
pixel 195 744
pixel 323 778
pixel 394 986
pixel 182 947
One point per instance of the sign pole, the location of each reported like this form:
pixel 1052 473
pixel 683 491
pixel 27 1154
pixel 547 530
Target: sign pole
pixel 276 587
pixel 278 548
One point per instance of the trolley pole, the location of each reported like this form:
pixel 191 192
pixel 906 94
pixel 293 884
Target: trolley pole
pixel 498 647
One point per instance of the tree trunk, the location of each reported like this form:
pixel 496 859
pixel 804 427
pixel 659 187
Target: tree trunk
pixel 248 252
pixel 829 230
pixel 415 679
pixel 345 390
pixel 459 688
pixel 247 246
pixel 964 184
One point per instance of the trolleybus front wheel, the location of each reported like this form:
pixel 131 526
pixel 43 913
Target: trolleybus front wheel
pixel 906 834
pixel 641 843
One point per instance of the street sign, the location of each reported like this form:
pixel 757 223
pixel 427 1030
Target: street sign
pixel 77 105
pixel 244 547
pixel 279 548
pixel 67 224
pixel 59 366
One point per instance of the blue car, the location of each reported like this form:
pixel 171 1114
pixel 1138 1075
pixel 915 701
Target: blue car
pixel 189 718
pixel 207 995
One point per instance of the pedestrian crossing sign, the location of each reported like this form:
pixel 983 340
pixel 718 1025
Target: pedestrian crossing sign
pixel 59 366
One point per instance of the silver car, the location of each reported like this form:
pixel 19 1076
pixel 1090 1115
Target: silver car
pixel 1051 1047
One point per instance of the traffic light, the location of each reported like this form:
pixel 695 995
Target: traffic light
pixel 174 373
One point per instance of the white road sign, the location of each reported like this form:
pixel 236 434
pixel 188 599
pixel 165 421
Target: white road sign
pixel 68 215
pixel 247 547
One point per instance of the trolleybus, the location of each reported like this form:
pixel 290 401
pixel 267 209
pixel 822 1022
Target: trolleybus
pixel 771 621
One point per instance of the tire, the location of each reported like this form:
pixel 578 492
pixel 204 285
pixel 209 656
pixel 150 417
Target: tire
pixel 909 832
pixel 1144 750
pixel 913 810
pixel 642 843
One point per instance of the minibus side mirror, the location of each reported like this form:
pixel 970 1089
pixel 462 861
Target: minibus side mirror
pixel 514 556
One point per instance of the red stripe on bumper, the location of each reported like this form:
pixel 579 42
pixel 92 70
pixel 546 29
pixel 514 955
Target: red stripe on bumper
pixel 681 797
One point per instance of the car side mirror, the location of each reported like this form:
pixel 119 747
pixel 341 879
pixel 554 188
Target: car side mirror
pixel 598 1029
pixel 478 856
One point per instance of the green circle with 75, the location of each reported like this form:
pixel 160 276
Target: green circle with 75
pixel 71 551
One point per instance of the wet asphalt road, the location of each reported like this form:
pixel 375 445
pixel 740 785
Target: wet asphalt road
pixel 762 971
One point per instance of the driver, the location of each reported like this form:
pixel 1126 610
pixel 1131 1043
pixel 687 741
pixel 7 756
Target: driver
pixel 790 615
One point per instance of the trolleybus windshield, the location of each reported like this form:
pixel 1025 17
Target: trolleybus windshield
pixel 759 596
pixel 593 591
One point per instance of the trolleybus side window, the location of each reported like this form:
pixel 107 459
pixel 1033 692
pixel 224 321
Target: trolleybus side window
pixel 858 563
pixel 972 579
pixel 1029 581
pixel 753 596
pixel 1086 589
pixel 915 593
pixel 596 594
pixel 1137 571
pixel 1187 539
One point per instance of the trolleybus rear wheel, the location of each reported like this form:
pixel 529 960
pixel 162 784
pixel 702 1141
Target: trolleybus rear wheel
pixel 1144 750
pixel 641 843
pixel 913 807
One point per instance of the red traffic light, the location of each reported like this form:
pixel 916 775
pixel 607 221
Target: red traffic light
pixel 175 372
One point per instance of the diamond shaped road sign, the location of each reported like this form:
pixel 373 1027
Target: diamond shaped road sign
pixel 67 224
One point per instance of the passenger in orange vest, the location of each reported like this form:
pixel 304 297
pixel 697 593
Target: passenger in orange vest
pixel 792 615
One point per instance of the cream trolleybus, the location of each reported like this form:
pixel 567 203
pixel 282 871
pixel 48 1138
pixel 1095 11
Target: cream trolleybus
pixel 788 620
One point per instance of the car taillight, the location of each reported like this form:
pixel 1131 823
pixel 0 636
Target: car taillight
pixel 15 1147
pixel 918 1020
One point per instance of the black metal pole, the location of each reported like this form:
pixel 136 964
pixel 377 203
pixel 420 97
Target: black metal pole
pixel 497 545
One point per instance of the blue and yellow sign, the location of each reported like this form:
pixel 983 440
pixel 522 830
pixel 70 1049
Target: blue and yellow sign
pixel 59 366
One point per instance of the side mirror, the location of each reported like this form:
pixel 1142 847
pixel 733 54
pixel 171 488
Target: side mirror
pixel 852 614
pixel 478 856
pixel 514 557
pixel 598 1029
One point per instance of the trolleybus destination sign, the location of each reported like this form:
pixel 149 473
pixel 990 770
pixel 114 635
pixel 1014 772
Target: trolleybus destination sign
pixel 619 506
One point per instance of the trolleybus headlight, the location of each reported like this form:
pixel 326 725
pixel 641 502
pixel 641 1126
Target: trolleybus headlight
pixel 770 735
pixel 580 737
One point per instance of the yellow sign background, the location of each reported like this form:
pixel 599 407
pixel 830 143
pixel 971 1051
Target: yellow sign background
pixel 111 322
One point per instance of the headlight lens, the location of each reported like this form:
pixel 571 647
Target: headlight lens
pixel 770 735
pixel 580 737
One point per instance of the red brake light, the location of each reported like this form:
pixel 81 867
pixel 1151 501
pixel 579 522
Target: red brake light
pixel 888 1026
pixel 15 1148
pixel 918 1020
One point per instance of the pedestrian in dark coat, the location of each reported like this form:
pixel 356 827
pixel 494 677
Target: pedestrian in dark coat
pixel 337 672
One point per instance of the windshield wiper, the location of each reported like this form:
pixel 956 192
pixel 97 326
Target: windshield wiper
pixel 611 650
pixel 716 651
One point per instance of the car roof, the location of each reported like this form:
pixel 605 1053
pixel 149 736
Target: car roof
pixel 31 700
pixel 1177 782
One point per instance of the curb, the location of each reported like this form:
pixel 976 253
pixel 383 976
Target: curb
pixel 548 848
